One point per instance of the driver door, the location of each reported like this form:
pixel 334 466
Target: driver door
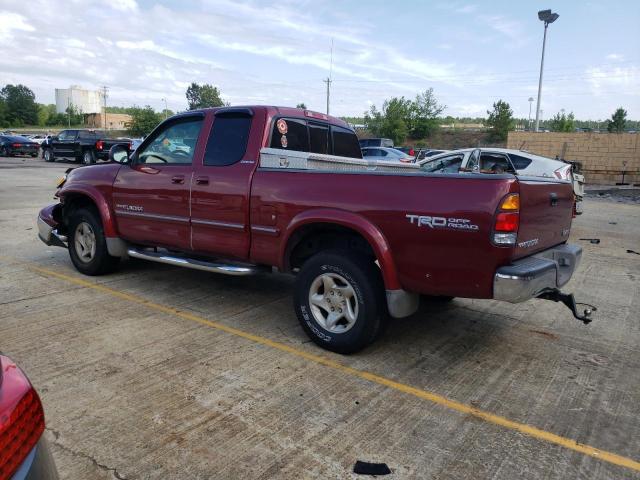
pixel 151 194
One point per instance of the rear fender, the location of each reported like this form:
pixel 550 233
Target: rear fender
pixel 355 222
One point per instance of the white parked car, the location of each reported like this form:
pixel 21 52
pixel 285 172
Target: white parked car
pixel 504 160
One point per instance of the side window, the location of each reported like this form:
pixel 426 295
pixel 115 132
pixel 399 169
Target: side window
pixel 494 163
pixel 67 135
pixel 318 138
pixel 519 162
pixel 228 140
pixel 82 135
pixel 450 164
pixel 290 134
pixel 345 143
pixel 174 144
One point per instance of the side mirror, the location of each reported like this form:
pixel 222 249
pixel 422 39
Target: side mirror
pixel 119 154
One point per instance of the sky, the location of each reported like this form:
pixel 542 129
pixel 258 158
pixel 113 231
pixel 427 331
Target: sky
pixel 261 52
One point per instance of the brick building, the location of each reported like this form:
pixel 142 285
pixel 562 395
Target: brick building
pixel 115 121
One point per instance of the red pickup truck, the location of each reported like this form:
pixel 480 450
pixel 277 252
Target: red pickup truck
pixel 241 190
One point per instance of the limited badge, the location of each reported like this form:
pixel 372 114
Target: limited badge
pixel 283 141
pixel 282 126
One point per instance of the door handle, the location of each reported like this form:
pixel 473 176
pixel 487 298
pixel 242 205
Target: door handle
pixel 202 180
pixel 554 199
pixel 177 179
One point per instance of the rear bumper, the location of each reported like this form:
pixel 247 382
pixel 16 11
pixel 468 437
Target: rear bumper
pixel 531 276
pixel 39 464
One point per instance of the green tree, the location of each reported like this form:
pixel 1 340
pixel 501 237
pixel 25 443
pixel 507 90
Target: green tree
pixel 501 120
pixel 391 121
pixel 301 105
pixel 203 96
pixel 143 120
pixel 4 114
pixel 563 123
pixel 618 121
pixel 21 105
pixel 423 115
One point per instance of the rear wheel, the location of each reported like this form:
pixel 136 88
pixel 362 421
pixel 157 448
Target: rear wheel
pixel 88 158
pixel 47 154
pixel 339 300
pixel 88 245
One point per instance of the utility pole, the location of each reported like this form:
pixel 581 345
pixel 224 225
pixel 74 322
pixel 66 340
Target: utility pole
pixel 104 98
pixel 547 17
pixel 69 110
pixel 329 80
pixel 529 122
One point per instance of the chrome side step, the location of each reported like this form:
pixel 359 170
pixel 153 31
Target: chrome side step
pixel 239 269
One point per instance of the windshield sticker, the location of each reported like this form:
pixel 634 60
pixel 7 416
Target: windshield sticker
pixel 442 222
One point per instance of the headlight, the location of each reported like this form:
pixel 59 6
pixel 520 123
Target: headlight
pixel 61 181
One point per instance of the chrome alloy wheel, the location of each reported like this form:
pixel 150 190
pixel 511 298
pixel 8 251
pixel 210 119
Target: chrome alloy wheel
pixel 333 302
pixel 85 242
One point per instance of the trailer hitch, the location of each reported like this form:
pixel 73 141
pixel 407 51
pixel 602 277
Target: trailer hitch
pixel 568 299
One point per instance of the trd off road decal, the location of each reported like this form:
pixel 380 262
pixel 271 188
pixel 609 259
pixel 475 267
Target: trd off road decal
pixel 129 208
pixel 442 222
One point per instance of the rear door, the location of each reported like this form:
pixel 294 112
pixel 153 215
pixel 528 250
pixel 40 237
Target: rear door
pixel 222 181
pixel 546 211
pixel 151 194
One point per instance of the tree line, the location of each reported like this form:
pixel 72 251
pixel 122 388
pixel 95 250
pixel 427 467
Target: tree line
pixel 405 120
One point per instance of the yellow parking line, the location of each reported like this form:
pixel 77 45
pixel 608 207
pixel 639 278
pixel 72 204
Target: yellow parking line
pixel 372 377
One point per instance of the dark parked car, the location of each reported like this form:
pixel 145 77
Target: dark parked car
pixel 376 142
pixel 17 145
pixel 86 146
pixel 24 453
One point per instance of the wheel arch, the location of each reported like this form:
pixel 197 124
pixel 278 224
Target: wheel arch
pixel 323 227
pixel 91 197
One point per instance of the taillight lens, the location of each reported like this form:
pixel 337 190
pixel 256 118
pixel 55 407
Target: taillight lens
pixel 130 146
pixel 563 173
pixel 21 418
pixel 99 145
pixel 16 145
pixel 412 152
pixel 507 221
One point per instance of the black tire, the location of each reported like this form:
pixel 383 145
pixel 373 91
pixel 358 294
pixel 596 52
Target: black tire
pixel 47 155
pixel 100 262
pixel 3 152
pixel 88 157
pixel 366 281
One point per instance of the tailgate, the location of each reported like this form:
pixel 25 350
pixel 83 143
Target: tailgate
pixel 546 211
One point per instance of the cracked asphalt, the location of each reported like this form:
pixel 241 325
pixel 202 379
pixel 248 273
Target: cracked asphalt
pixel 132 391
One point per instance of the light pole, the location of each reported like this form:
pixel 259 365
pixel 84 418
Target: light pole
pixel 547 17
pixel 529 122
pixel 166 110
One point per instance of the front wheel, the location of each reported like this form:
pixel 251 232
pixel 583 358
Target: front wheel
pixel 339 300
pixel 88 245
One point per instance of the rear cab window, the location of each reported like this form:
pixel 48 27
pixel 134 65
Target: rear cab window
pixel 519 162
pixel 303 135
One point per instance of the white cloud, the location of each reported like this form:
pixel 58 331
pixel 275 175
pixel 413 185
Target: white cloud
pixel 616 57
pixel 10 22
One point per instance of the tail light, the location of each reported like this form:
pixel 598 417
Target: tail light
pixel 563 173
pixel 16 145
pixel 507 221
pixel 130 146
pixel 412 152
pixel 99 145
pixel 406 160
pixel 21 418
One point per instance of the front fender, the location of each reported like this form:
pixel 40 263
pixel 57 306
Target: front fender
pixel 358 223
pixel 106 214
